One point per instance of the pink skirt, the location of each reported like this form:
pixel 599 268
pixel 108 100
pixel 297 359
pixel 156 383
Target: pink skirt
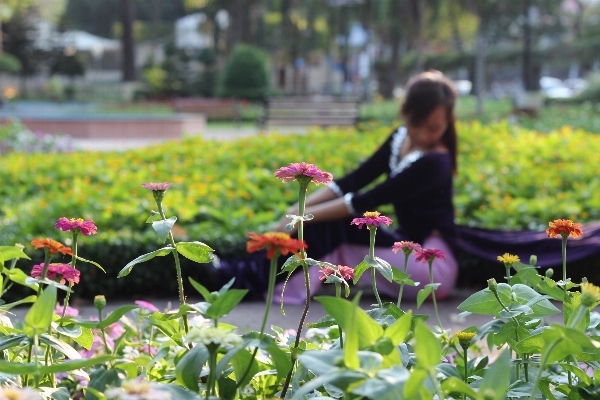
pixel 444 272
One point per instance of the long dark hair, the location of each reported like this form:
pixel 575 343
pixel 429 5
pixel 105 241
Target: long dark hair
pixel 424 93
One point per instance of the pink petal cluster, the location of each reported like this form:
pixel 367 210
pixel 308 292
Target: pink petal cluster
pixel 371 218
pixel 147 306
pixel 57 272
pixel 69 312
pixel 291 173
pixel 77 224
pixel 406 247
pixel 157 187
pixel 424 255
pixel 345 272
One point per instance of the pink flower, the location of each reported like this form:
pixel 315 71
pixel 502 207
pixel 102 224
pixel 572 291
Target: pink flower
pixel 57 272
pixel 69 312
pixel 77 225
pixel 295 170
pixel 426 255
pixel 157 187
pixel 371 218
pixel 406 247
pixel 145 305
pixel 345 272
pixel 146 348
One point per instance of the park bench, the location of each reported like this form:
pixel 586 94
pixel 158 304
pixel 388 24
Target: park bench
pixel 224 109
pixel 309 110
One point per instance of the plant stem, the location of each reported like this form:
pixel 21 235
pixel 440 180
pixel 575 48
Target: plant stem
pixel 106 348
pixel 564 257
pixel 338 294
pixel 212 365
pixel 541 368
pixel 73 262
pixel 177 268
pixel 373 231
pixel 402 284
pixel 435 308
pixel 436 383
pixel 5 281
pixel 47 258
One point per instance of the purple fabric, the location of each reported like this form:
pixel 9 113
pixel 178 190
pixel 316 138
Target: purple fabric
pixel 489 244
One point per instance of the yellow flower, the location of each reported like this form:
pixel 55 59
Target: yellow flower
pixel 464 338
pixel 590 294
pixel 508 259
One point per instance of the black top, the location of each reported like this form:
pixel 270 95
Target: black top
pixel 419 186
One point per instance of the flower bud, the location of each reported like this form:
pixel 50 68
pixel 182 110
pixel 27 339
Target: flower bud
pixel 492 285
pixel 464 339
pixel 549 273
pixel 533 260
pixel 100 302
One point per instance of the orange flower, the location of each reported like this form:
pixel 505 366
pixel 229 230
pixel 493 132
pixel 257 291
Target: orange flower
pixel 564 227
pixel 52 245
pixel 272 241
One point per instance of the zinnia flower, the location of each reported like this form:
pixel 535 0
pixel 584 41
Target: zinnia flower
pixel 57 272
pixel 69 312
pixel 590 294
pixel 138 390
pixel 16 393
pixel 76 225
pixel 345 272
pixel 406 247
pixel 508 259
pixel 52 245
pixel 157 187
pixel 371 218
pixel 272 241
pixel 295 170
pixel 145 305
pixel 426 255
pixel 214 335
pixel 564 228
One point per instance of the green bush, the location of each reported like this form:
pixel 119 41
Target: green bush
pixel 246 74
pixel 9 63
pixel 509 177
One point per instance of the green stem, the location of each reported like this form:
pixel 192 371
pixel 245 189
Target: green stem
pixel 106 348
pixel 436 383
pixel 177 267
pixel 508 277
pixel 13 263
pixel 465 361
pixel 212 365
pixel 373 231
pixel 564 257
pixel 338 294
pixel 541 368
pixel 47 258
pixel 435 308
pixel 402 284
pixel 73 262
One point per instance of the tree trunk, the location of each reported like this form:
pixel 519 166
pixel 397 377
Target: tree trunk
pixel 127 40
pixel 530 69
pixel 391 74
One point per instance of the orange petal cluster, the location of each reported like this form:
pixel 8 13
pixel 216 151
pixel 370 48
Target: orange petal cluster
pixel 273 241
pixel 53 245
pixel 560 227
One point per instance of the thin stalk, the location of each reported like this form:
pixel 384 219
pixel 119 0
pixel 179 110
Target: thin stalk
pixel 536 383
pixel 402 284
pixel 564 256
pixel 13 263
pixel 106 348
pixel 436 383
pixel 466 374
pixel 73 262
pixel 212 365
pixel 47 258
pixel 508 277
pixel 373 231
pixel 435 308
pixel 338 294
pixel 177 267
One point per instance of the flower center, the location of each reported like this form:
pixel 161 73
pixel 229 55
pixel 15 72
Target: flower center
pixel 371 214
pixel 278 235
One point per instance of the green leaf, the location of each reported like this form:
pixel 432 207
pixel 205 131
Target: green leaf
pixel 163 227
pixel 399 329
pixel 56 393
pixel 86 339
pixel 28 299
pixel 195 251
pixel 10 252
pixel 60 346
pixel 427 347
pixel 39 315
pixel 540 305
pixel 10 341
pixel 91 262
pixel 497 378
pixel 380 265
pixel 422 294
pixel 190 365
pixel 114 316
pixel 70 330
pixel 484 301
pixel 154 216
pixel 64 366
pixel 455 385
pixel 359 270
pixel 157 253
pixel 351 346
pixel 225 303
pixel 18 276
pixel 201 289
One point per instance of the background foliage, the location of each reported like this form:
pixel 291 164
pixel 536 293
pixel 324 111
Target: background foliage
pixel 509 177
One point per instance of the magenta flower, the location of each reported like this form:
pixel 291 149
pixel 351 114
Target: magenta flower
pixel 157 187
pixel 426 255
pixel 69 312
pixel 295 170
pixel 57 272
pixel 345 272
pixel 77 225
pixel 145 305
pixel 406 247
pixel 371 218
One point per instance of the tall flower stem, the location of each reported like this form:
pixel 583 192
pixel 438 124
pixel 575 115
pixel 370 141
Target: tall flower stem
pixel 212 365
pixel 338 294
pixel 372 232
pixel 271 290
pixel 13 263
pixel 466 365
pixel 303 181
pixel 437 315
pixel 177 266
pixel 73 262
pixel 47 259
pixel 402 284
pixel 564 256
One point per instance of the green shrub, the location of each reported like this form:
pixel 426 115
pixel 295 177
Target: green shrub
pixel 9 63
pixel 246 74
